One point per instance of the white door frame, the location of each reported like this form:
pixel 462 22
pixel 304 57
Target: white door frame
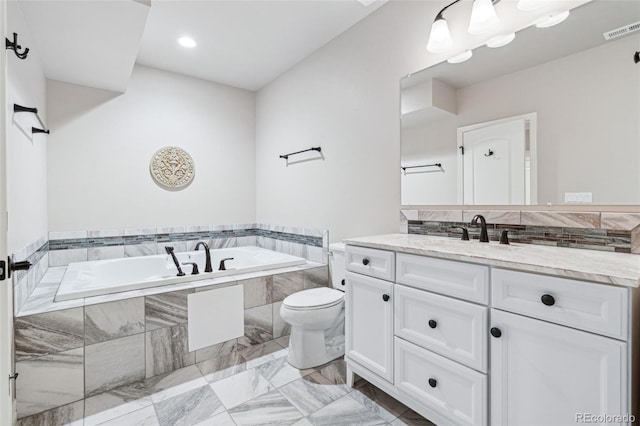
pixel 7 410
pixel 532 118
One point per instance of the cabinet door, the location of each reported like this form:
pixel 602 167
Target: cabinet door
pixel 369 323
pixel 546 374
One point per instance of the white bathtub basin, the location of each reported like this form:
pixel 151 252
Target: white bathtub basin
pixel 95 278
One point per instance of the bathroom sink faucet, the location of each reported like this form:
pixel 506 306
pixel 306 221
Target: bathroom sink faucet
pixel 484 237
pixel 207 266
pixel 169 250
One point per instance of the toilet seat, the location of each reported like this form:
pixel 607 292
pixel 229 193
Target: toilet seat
pixel 315 298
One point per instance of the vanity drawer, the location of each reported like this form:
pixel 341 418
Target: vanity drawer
pixel 586 306
pixel 450 327
pixel 372 262
pixel 446 387
pixel 458 279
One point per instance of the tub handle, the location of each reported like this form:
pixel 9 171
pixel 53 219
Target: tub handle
pixel 222 266
pixel 195 270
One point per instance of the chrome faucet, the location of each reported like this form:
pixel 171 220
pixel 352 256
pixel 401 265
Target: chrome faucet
pixel 207 252
pixel 169 251
pixel 484 237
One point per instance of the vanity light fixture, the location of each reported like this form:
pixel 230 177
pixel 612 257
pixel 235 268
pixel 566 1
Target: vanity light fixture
pixel 464 56
pixel 483 18
pixel 501 40
pixel 551 20
pixel 186 41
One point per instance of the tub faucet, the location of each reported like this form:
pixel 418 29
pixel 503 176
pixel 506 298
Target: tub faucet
pixel 169 250
pixel 207 252
pixel 222 266
pixel 484 237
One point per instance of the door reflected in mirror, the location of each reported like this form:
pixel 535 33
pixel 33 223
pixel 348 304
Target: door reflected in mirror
pixel 583 92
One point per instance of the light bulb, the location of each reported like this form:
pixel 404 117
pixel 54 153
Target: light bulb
pixel 483 17
pixel 551 20
pixel 501 40
pixel 440 37
pixel 464 56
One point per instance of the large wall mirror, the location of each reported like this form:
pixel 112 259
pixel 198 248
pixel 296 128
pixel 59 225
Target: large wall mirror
pixel 552 118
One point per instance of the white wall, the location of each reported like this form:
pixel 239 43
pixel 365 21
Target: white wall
pixel 345 98
pixel 101 144
pixel 587 104
pixel 26 153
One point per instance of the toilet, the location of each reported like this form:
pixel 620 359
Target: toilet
pixel 317 318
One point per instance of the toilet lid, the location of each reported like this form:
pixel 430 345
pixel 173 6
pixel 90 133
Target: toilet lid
pixel 313 298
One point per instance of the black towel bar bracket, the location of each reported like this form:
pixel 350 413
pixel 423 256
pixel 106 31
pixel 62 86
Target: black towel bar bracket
pixel 19 108
pixel 13 45
pixel 404 169
pixel 286 156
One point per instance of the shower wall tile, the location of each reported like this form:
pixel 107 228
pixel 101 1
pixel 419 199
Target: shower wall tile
pixel 316 277
pixel 49 381
pixel 246 241
pixel 317 254
pixel 113 320
pixel 103 233
pixel 43 334
pixel 167 350
pixel 257 291
pixel 140 231
pixel 114 363
pixel 64 415
pixel 146 249
pixel 166 309
pixel 103 253
pixel 258 324
pixel 178 246
pixel 286 284
pixel 216 243
pixel 65 257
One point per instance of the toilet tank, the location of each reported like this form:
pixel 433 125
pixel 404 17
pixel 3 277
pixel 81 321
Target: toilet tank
pixel 337 265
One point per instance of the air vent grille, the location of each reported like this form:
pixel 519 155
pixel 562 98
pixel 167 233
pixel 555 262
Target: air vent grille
pixel 619 32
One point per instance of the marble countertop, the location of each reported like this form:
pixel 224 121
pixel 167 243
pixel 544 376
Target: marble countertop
pixel 620 269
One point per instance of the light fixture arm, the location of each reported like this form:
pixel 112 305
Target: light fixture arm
pixel 439 15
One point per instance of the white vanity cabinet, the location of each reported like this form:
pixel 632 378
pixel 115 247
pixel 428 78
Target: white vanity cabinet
pixel 471 344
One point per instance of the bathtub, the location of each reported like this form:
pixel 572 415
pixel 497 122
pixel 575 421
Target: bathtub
pixel 99 277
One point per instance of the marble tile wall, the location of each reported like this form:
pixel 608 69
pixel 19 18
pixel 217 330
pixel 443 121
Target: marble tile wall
pixel 65 356
pixel 79 246
pixel 605 231
pixel 24 282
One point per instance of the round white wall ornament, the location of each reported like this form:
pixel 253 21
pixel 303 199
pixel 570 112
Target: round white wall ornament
pixel 172 167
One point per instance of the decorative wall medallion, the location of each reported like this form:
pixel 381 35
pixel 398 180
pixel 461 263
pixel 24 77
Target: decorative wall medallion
pixel 172 167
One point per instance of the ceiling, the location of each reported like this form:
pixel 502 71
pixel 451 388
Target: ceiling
pixel 241 43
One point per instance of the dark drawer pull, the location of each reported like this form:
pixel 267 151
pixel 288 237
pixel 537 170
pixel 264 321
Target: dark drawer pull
pixel 365 261
pixel 433 383
pixel 495 332
pixel 433 323
pixel 343 282
pixel 385 297
pixel 548 300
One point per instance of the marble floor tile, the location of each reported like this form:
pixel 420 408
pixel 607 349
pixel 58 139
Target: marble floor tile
pixel 108 406
pixel 189 408
pixel 52 332
pixel 258 324
pixel 283 341
pixel 335 371
pixel 278 372
pixel 286 284
pixel 241 388
pixel 378 401
pixel 220 349
pixel 49 381
pixel 114 363
pixel 256 352
pixel 143 417
pixel 167 349
pixel 56 417
pixel 271 408
pixel 175 383
pixel 411 418
pixel 113 320
pixel 222 419
pixel 345 411
pixel 312 392
pixel 166 309
pixel 222 367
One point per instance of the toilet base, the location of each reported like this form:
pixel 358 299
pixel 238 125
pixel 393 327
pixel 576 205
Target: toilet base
pixel 311 348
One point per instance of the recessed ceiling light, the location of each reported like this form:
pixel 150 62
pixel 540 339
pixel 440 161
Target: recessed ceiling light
pixel 501 40
pixel 466 55
pixel 187 42
pixel 551 20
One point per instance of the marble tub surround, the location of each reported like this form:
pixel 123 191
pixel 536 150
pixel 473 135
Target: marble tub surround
pixel 24 282
pixel 609 268
pixel 265 390
pixel 78 246
pixel 118 342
